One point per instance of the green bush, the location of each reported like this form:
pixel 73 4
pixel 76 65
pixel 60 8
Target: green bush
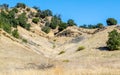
pixel 28 9
pixel 14 22
pixel 62 26
pixel 24 40
pixel 113 42
pixel 61 52
pixel 71 22
pixel 15 10
pixel 37 8
pixel 100 25
pixel 27 26
pixel 37 14
pixel 15 34
pixel 45 13
pixel 6 27
pixel 53 25
pixel 66 60
pixel 80 48
pixel 5 22
pixel 35 20
pixel 56 21
pixel 22 21
pixel 54 46
pixel 111 21
pixel 46 29
pixel 92 26
pixel 21 5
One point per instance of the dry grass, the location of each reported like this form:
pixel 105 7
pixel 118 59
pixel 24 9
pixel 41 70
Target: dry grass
pixel 60 71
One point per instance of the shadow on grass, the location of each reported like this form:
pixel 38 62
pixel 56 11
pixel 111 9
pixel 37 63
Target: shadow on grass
pixel 103 48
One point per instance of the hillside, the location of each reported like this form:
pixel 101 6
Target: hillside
pixel 16 55
pixel 28 45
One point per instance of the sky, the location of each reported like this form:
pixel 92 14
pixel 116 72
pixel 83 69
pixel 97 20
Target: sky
pixel 81 11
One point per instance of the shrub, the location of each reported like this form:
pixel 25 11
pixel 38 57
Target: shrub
pixel 28 9
pixel 32 14
pixel 27 26
pixel 37 14
pixel 46 13
pixel 54 46
pixel 22 21
pixel 11 15
pixel 61 52
pixel 15 10
pixel 111 21
pixel 80 48
pixel 100 25
pixel 24 40
pixel 113 42
pixel 7 27
pixel 47 24
pixel 71 22
pixel 5 22
pixel 35 20
pixel 92 26
pixel 37 8
pixel 15 34
pixel 14 22
pixel 56 21
pixel 53 25
pixel 66 61
pixel 62 26
pixel 22 5
pixel 46 29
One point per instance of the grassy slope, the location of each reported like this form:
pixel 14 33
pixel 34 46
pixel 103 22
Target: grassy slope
pixel 89 61
pixel 15 55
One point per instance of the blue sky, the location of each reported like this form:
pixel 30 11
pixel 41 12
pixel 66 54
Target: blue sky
pixel 82 11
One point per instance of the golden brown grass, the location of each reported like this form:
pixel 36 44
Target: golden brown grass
pixel 61 71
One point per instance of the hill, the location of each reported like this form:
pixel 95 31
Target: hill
pixel 39 45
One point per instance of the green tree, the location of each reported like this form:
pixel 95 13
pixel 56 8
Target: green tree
pixel 111 21
pixel 21 5
pixel 56 21
pixel 22 21
pixel 71 22
pixel 100 25
pixel 62 26
pixel 113 42
pixel 53 25
pixel 28 9
pixel 46 13
pixel 37 8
